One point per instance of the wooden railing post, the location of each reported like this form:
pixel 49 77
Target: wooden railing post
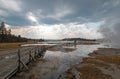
pixel 35 54
pixel 30 56
pixel 38 52
pixel 19 59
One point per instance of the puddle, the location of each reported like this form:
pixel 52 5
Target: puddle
pixel 57 62
pixel 10 56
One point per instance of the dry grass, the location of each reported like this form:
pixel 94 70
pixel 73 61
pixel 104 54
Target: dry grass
pixel 102 56
pixel 70 76
pixel 33 75
pixel 87 71
pixel 7 46
pixel 89 68
pixel 105 52
pixel 4 46
pixel 110 59
pixel 91 72
pixel 95 62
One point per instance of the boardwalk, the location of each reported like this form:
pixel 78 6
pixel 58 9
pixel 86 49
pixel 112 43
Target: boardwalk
pixel 9 63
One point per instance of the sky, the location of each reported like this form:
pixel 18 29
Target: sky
pixel 57 19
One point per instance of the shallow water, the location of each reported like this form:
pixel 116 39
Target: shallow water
pixel 57 62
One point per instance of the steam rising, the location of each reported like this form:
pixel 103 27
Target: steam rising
pixel 111 31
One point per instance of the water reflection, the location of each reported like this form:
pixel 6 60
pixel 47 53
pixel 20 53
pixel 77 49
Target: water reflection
pixel 57 61
pixel 64 49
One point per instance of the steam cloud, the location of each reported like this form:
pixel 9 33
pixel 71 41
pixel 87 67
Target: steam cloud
pixel 111 31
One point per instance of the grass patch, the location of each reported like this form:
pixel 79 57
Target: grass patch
pixel 95 62
pixel 103 55
pixel 91 72
pixel 7 46
pixel 110 59
pixel 87 71
pixel 90 67
pixel 33 75
pixel 70 76
pixel 4 46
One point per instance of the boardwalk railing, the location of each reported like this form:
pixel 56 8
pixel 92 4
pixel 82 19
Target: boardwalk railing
pixel 23 58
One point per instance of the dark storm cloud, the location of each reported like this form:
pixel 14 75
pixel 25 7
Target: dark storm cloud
pixel 91 10
pixel 55 13
pixel 59 11
pixel 18 21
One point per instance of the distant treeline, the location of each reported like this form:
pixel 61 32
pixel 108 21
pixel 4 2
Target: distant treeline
pixel 12 38
pixel 78 39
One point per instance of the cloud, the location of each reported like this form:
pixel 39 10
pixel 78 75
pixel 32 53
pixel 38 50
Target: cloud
pixel 32 17
pixel 60 12
pixel 3 13
pixel 11 11
pixel 61 18
pixel 58 31
pixel 10 5
pixel 116 2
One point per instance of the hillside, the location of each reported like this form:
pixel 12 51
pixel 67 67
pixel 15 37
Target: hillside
pixel 78 39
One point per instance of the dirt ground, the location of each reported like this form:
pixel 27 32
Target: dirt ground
pixel 103 63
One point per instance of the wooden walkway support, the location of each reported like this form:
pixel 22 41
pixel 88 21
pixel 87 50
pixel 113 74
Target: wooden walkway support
pixel 21 64
pixel 25 58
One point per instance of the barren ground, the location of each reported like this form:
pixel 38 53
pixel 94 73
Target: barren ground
pixel 103 63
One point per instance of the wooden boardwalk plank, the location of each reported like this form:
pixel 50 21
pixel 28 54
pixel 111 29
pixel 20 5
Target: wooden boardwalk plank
pixel 9 64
